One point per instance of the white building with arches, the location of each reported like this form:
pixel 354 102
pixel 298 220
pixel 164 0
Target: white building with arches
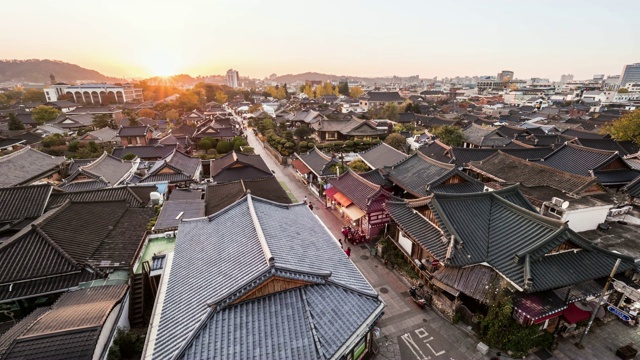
pixel 95 94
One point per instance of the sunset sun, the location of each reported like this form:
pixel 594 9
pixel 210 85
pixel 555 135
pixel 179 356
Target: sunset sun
pixel 163 67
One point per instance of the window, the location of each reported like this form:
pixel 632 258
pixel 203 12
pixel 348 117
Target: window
pixel 332 135
pixel 361 349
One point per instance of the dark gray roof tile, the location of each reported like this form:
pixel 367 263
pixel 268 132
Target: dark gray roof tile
pixel 382 155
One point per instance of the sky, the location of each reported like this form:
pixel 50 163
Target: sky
pixel 141 38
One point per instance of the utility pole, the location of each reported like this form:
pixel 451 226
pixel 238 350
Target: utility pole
pixel 595 310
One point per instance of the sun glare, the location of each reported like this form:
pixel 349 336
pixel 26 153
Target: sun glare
pixel 163 67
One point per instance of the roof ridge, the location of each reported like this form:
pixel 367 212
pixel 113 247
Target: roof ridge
pixel 263 240
pixel 53 244
pixel 433 161
pixel 316 338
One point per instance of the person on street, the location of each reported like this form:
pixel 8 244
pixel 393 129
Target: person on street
pixel 348 252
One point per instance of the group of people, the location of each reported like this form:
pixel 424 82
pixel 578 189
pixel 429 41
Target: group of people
pixel 353 236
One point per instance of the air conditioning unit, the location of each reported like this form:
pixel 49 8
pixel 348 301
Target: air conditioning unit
pixel 170 234
pixel 557 201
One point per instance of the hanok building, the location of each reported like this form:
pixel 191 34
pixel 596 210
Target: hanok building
pixel 236 166
pixel 477 136
pixel 418 176
pixel 381 155
pixel 79 325
pixel 105 171
pixel 175 168
pixel 320 309
pixel 314 168
pixel 463 245
pixel 29 166
pixel 135 135
pixel 219 196
pixel 342 130
pixel 304 118
pixel 360 201
pixel 147 153
pixel 380 98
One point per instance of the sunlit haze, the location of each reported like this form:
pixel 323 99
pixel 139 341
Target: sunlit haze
pixel 361 38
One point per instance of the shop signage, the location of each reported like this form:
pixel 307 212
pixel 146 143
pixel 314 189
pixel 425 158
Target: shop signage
pixel 619 313
pixel 435 262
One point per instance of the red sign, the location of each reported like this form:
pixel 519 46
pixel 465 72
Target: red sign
pixel 435 262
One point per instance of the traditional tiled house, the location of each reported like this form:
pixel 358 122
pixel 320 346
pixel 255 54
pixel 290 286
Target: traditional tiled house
pixel 314 168
pixel 219 196
pixel 175 168
pixel 28 166
pixel 147 153
pixel 105 171
pixel 236 166
pixel 483 136
pixel 320 309
pixel 381 155
pixel 342 130
pixel 380 98
pixel 135 135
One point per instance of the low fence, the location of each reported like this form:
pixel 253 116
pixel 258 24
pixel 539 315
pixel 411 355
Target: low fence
pixel 467 317
pixel 283 160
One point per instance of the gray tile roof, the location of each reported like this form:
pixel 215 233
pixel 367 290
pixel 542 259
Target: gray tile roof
pixel 184 167
pixel 384 96
pixel 633 188
pixel 363 193
pixel 382 155
pixel 483 136
pixel 26 165
pixel 219 196
pixel 319 162
pixel 577 159
pixel 375 176
pixel 84 185
pixel 484 226
pixel 23 202
pixel 462 156
pixel 144 152
pixel 418 173
pixel 185 209
pixel 132 194
pixel 107 168
pixel 237 166
pixel 257 242
pixel 437 151
pixel 125 131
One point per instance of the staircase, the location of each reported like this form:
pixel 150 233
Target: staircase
pixel 136 305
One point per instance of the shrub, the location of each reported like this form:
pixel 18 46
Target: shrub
pixel 303 144
pixel 204 144
pixel 224 147
pixel 129 156
pixel 310 145
pixel 348 143
pixel 126 345
pixel 73 146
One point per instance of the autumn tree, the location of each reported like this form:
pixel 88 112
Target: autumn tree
pixel 172 115
pixel 390 111
pixel 396 141
pixel 3 99
pixel 34 95
pixel 355 92
pixel 623 91
pixel 147 113
pixel 43 114
pixel 220 97
pixel 626 128
pixel 358 166
pixel 101 121
pixel 254 108
pixel 15 123
pixel 308 90
pixel 449 134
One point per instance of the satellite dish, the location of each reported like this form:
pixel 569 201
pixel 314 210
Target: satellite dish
pixel 565 204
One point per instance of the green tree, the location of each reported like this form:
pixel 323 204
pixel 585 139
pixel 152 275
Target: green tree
pixel 449 134
pixel 396 141
pixel 126 345
pixel 43 114
pixel 204 144
pixel 73 146
pixel 626 128
pixel 129 156
pixel 101 121
pixel 34 95
pixel 343 88
pixel 302 132
pixel 390 111
pixel 224 147
pixel 358 166
pixel 53 140
pixel 248 150
pixel 15 123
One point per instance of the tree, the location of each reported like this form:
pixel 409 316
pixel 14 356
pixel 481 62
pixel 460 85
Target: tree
pixel 626 128
pixel 390 111
pixel 43 114
pixel 220 97
pixel 133 121
pixel 623 91
pixel 308 90
pixel 358 166
pixel 34 95
pixel 148 113
pixel 205 144
pixel 343 88
pixel 73 146
pixel 302 132
pixel 53 140
pixel 356 92
pixel 15 123
pixel 101 121
pixel 247 150
pixel 449 134
pixel 224 147
pixel 172 115
pixel 396 141
pixel 254 108
pixel 129 156
pixel 3 99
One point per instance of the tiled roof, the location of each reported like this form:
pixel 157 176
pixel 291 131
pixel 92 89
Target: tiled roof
pixel 84 185
pixel 107 168
pixel 633 188
pixel 143 152
pixel 484 226
pixel 463 156
pixel 434 121
pixel 125 131
pixel 577 159
pixel 437 151
pixel 382 155
pixel 507 168
pixel 184 168
pixel 375 176
pixel 23 202
pixel 75 164
pixel 418 172
pixel 173 211
pixel 483 136
pixel 269 247
pixel 466 187
pixel 132 194
pixel 317 161
pixel 604 144
pixel 406 118
pixel 383 96
pixel 361 192
pixel 68 329
pixel 584 134
pixel 350 127
pixel 236 166
pixel 26 165
pixel 511 131
pixel 18 329
pixel 219 196
pixel 418 228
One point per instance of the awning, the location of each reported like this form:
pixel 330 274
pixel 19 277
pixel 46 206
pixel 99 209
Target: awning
pixel 574 314
pixel 330 192
pixel 354 212
pixel 300 166
pixel 445 287
pixel 343 200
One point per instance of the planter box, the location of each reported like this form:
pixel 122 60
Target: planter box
pixel 626 352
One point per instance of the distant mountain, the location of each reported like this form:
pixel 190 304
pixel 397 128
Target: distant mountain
pixel 34 70
pixel 291 78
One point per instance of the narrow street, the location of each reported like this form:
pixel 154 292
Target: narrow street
pixel 411 333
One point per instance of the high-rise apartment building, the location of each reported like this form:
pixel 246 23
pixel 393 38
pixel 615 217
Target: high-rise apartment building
pixel 630 74
pixel 233 78
pixel 565 78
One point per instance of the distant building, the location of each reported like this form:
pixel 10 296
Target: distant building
pixel 630 74
pixel 95 94
pixel 565 78
pixel 505 76
pixel 233 78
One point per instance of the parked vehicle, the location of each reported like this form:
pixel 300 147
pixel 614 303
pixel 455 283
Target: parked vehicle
pixel 418 296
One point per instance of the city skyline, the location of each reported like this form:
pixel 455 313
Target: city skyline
pixel 258 38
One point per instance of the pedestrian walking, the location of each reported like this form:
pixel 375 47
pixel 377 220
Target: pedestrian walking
pixel 340 241
pixel 348 252
pixel 311 206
